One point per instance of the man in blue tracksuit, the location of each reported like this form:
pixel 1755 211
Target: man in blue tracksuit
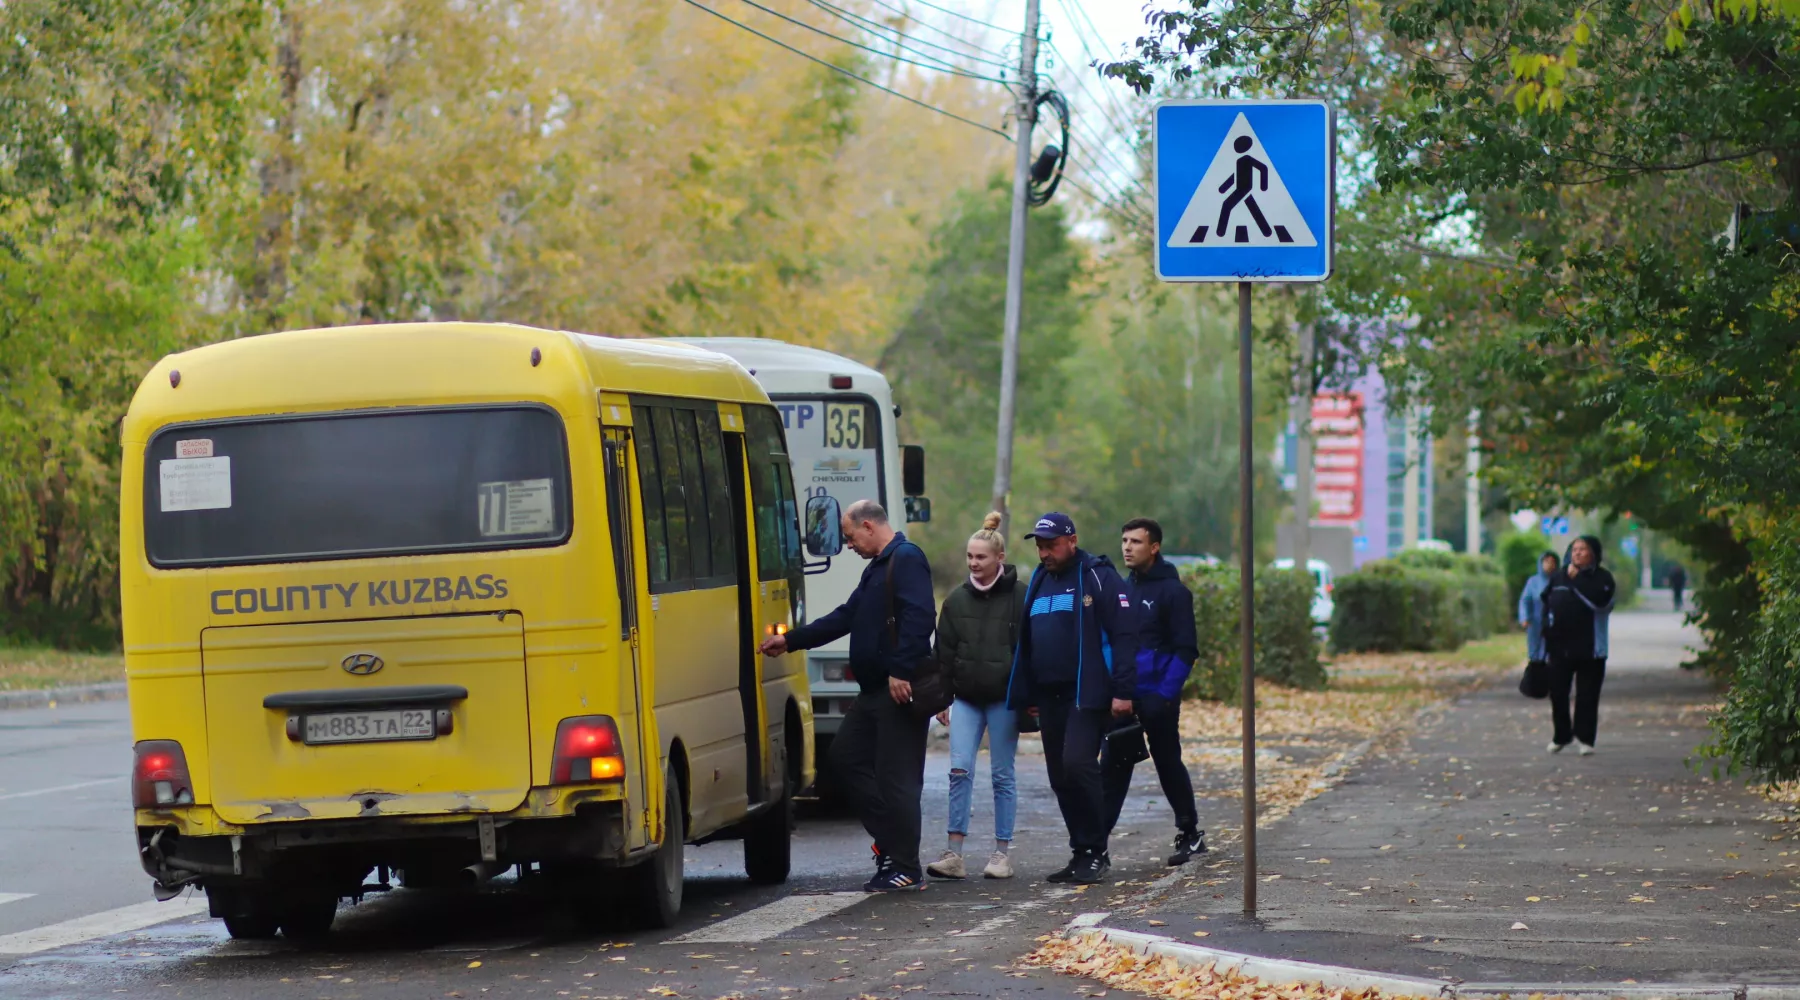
pixel 1077 662
pixel 1167 650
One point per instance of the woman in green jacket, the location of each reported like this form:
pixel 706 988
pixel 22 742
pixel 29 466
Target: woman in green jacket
pixel 977 629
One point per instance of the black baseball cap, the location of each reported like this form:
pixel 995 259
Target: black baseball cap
pixel 1052 525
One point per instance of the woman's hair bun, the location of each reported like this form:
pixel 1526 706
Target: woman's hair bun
pixel 991 522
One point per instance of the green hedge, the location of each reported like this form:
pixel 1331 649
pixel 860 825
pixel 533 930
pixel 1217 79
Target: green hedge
pixel 1419 600
pixel 1287 651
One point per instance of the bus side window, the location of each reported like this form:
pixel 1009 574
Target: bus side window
pixel 700 527
pixel 718 493
pixel 772 496
pixel 618 500
pixel 656 545
pixel 675 501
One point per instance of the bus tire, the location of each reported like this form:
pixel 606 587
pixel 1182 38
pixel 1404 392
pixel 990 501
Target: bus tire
pixel 655 886
pixel 768 843
pixel 252 916
pixel 306 919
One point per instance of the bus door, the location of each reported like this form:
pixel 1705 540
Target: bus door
pixel 750 618
pixel 617 445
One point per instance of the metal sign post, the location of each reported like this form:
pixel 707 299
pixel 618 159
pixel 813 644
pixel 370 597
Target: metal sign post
pixel 1245 193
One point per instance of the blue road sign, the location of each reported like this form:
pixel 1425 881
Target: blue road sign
pixel 1244 190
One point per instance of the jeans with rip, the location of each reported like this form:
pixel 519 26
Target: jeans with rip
pixel 967 723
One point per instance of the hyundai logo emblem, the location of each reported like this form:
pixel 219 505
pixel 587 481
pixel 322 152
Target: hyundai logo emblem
pixel 362 664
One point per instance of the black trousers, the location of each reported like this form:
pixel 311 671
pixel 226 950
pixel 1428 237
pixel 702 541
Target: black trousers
pixel 879 756
pixel 1072 739
pixel 1162 731
pixel 1586 676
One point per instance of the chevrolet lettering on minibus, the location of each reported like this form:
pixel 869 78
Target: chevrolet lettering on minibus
pixel 417 604
pixel 843 436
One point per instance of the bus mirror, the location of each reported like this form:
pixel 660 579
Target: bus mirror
pixel 912 470
pixel 824 529
pixel 918 509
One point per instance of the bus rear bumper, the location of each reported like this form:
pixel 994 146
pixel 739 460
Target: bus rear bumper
pixel 339 853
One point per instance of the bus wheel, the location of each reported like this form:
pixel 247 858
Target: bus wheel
pixel 306 919
pixel 655 885
pixel 768 843
pixel 251 916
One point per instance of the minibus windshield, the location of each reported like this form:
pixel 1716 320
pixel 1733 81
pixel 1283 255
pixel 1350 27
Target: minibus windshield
pixel 344 485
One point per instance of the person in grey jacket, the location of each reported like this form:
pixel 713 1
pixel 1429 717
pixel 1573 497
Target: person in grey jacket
pixel 978 628
pixel 1531 606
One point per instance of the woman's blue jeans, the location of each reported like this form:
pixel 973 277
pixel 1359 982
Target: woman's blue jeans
pixel 968 722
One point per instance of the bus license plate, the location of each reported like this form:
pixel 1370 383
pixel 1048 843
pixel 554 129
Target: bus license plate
pixel 370 727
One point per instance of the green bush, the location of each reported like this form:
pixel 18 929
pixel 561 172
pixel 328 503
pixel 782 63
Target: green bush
pixel 1518 553
pixel 1419 600
pixel 1287 652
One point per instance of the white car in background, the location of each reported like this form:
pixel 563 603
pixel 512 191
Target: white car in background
pixel 1322 604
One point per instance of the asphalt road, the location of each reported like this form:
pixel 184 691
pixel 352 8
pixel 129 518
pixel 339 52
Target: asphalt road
pixel 89 929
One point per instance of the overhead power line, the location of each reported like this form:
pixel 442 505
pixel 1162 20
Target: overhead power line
pixel 842 71
pixel 901 38
pixel 946 10
pixel 858 45
pixel 992 56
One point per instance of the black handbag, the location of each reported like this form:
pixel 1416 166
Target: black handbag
pixel 1125 744
pixel 1535 681
pixel 931 689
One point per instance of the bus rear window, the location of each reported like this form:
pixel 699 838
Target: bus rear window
pixel 361 484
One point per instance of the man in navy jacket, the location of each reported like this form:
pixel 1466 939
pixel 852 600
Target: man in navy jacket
pixel 879 752
pixel 1077 662
pixel 1167 650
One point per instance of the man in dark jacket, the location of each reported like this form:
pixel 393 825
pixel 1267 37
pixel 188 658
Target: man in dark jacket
pixel 879 752
pixel 1167 650
pixel 1077 662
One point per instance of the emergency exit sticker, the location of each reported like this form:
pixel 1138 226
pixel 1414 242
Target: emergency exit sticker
pixel 196 483
pixel 518 507
pixel 194 448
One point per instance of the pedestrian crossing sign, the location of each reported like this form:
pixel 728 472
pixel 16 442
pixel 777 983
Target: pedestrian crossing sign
pixel 1244 190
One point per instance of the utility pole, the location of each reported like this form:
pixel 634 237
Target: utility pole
pixel 1024 119
pixel 1414 473
pixel 1303 457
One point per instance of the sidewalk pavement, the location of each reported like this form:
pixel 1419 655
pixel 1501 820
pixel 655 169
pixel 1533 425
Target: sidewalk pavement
pixel 1626 866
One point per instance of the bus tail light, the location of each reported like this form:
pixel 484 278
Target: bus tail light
pixel 159 776
pixel 587 749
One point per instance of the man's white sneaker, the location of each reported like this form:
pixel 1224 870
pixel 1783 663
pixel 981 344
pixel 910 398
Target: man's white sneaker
pixel 1555 747
pixel 998 866
pixel 948 865
pixel 1587 750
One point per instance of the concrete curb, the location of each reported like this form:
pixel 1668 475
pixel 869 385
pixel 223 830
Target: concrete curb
pixel 1280 971
pixel 45 698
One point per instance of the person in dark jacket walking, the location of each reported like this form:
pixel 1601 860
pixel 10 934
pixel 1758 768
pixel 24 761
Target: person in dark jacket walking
pixel 1166 653
pixel 879 751
pixel 1077 662
pixel 1577 606
pixel 1677 584
pixel 978 627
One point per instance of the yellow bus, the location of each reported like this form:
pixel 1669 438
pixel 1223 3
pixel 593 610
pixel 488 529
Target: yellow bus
pixel 435 600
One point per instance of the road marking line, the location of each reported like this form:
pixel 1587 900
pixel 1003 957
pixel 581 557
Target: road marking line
pixel 13 897
pixel 61 788
pixel 98 925
pixel 993 924
pixel 772 919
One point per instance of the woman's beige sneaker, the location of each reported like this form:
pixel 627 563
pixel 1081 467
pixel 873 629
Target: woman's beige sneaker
pixel 948 865
pixel 998 866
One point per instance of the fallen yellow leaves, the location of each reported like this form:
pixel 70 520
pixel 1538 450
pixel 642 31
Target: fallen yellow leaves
pixel 1092 957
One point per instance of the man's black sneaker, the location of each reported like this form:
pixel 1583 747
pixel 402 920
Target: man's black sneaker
pixel 1186 846
pixel 1090 868
pixel 883 863
pixel 894 879
pixel 1066 873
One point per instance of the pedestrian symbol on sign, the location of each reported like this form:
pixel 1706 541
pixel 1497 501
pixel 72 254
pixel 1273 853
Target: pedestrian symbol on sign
pixel 1242 185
